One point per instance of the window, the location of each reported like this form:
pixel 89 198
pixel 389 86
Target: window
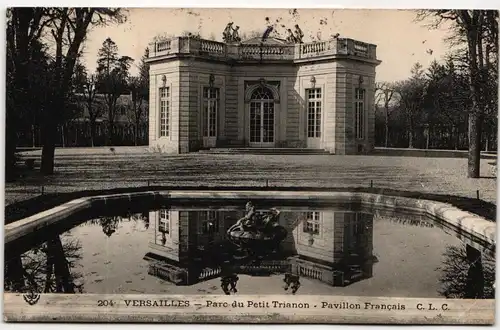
pixel 210 110
pixel 311 225
pixel 164 111
pixel 359 107
pixel 313 112
pixel 164 222
pixel 262 93
pixel 209 222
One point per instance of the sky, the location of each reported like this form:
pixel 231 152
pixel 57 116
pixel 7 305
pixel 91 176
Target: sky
pixel 400 40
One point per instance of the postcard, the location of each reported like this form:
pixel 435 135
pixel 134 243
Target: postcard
pixel 197 165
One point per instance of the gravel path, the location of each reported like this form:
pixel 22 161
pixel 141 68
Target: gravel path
pixel 77 169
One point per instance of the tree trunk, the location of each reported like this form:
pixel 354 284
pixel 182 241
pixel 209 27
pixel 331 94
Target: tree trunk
pixel 49 270
pixel 14 274
pixel 33 135
pixel 64 282
pixel 92 132
pixel 10 149
pixel 386 142
pixel 474 288
pixel 474 156
pixel 77 129
pixel 487 136
pixel 410 135
pixel 111 133
pixel 136 134
pixel 427 138
pixel 474 145
pixel 47 166
pixel 63 135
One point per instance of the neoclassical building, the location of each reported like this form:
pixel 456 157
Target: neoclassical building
pixel 262 94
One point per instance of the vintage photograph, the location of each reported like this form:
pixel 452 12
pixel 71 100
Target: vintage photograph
pixel 340 161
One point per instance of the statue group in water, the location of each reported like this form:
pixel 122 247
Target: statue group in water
pixel 257 230
pixel 258 234
pixel 228 283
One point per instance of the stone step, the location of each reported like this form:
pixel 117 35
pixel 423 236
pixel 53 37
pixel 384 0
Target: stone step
pixel 258 151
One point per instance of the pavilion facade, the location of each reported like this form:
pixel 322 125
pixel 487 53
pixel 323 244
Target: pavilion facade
pixel 262 94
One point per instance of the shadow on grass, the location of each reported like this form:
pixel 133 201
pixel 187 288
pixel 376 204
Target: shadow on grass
pixel 26 208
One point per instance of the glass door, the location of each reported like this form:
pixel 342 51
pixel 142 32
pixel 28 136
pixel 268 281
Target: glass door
pixel 261 124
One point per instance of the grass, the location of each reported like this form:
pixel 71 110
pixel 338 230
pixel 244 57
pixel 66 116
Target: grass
pixel 77 173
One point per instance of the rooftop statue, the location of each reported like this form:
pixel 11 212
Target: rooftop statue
pixel 290 38
pixel 267 33
pixel 231 34
pixel 299 35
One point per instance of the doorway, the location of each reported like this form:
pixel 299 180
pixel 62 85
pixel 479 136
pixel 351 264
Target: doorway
pixel 314 118
pixel 262 118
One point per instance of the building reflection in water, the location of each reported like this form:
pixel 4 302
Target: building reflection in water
pixel 333 247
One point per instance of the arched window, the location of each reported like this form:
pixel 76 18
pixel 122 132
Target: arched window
pixel 262 93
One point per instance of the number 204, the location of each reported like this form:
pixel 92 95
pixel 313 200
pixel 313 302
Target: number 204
pixel 104 303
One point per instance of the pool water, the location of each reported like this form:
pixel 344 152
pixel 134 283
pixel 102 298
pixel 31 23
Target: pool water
pixel 185 250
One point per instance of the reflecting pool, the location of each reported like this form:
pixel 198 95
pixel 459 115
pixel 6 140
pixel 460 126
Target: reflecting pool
pixel 187 250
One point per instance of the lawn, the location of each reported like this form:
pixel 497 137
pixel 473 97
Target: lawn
pixel 76 169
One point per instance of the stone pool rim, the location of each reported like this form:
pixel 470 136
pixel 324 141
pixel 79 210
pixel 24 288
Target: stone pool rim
pixel 24 208
pixel 465 221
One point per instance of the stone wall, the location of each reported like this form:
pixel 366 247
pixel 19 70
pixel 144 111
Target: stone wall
pixel 165 74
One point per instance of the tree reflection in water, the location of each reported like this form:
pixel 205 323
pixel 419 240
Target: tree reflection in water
pixel 47 268
pixel 140 217
pixel 466 274
pixel 50 266
pixel 110 224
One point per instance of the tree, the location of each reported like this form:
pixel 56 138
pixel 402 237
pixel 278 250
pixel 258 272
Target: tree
pixel 446 100
pixel 112 76
pixel 384 94
pixel 48 268
pixel 144 71
pixel 25 27
pixel 433 101
pixel 69 27
pixel 411 94
pixel 251 34
pixel 462 277
pixel 478 30
pixel 94 111
pixel 64 29
pixel 139 88
pixel 79 77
